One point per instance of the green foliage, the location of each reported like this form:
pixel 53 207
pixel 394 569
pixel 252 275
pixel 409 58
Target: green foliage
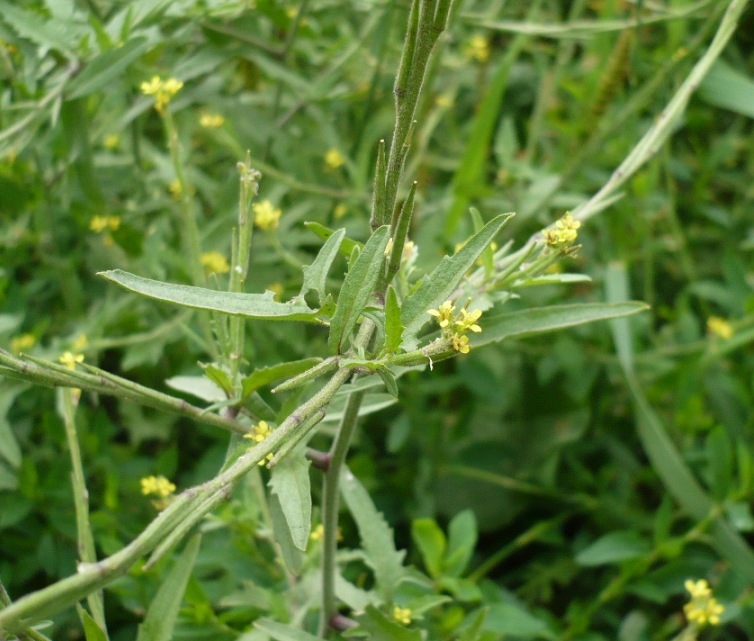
pixel 557 482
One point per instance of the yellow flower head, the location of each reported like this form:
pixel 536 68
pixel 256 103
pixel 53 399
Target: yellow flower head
pixel 111 141
pixel 258 433
pixel 157 485
pixel 215 262
pixel 444 314
pixel 70 359
pixel 719 327
pixel 175 189
pixel 22 342
pixel 334 159
pixel 564 232
pixel 98 224
pixel 468 321
pixel 211 121
pixel 478 48
pixel 266 216
pixel 339 211
pixel 402 615
pixel 162 90
pixel 703 609
pixel 460 343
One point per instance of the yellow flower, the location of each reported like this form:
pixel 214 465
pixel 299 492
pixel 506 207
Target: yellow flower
pixel 215 262
pixel 157 485
pixel 334 159
pixel 111 141
pixel 339 211
pixel 703 609
pixel 410 251
pixel 162 90
pixel 460 343
pixel 564 232
pixel 22 342
pixel 402 615
pixel 317 533
pixel 258 433
pixel 98 224
pixel 468 321
pixel 444 314
pixel 719 327
pixel 175 189
pixel 81 342
pixel 478 48
pixel 211 121
pixel 70 360
pixel 266 216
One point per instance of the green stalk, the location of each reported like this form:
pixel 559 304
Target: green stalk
pixel 87 553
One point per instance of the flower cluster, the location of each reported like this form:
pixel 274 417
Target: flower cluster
pixel 70 360
pixel 455 327
pixel 266 216
pixel 563 233
pixel 22 342
pixel 98 224
pixel 215 262
pixel 258 433
pixel 402 615
pixel 162 90
pixel 160 487
pixel 211 121
pixel 719 327
pixel 334 159
pixel 703 609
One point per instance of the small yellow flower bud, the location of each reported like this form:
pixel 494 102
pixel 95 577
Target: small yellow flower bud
pixel 334 159
pixel 564 233
pixel 719 327
pixel 444 314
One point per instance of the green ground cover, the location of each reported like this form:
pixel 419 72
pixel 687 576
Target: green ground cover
pixel 580 469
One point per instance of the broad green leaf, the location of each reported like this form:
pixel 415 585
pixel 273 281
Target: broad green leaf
pixel 510 619
pixel 163 611
pixel 547 319
pixel 438 286
pixel 291 554
pixel 325 233
pixel 289 481
pixel 106 67
pixel 92 631
pixel 381 628
pixel 393 325
pixel 665 458
pixel 726 87
pixel 473 631
pixel 219 377
pixel 199 386
pixel 355 598
pixel 357 288
pixel 613 548
pixel 237 304
pixel 462 538
pixel 283 631
pixel 376 537
pixel 266 375
pixel 431 542
pixel 53 34
pixel 315 275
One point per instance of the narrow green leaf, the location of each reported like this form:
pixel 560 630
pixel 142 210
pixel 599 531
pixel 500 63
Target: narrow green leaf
pixel 376 536
pixel 357 288
pixel 346 245
pixel 511 619
pixel 726 87
pixel 92 631
pixel 291 554
pixel 431 542
pixel 199 386
pixel 381 628
pixel 106 67
pixel 438 286
pixel 266 375
pixel 488 255
pixel 389 379
pixel 473 632
pixel 163 611
pixel 283 631
pixel 613 548
pixel 393 325
pixel 547 319
pixel 237 304
pixel 289 481
pixel 315 275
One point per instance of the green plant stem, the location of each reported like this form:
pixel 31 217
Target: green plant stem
pixel 87 553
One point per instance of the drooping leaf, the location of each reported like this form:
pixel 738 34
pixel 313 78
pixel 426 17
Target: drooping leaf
pixel 430 540
pixel 389 379
pixel 538 320
pixel 315 275
pixel 291 554
pixel 163 611
pixel 53 34
pixel 613 548
pixel 92 631
pixel 266 375
pixel 357 288
pixel 376 537
pixel 261 306
pixel 726 87
pixel 438 286
pixel 289 481
pixel 199 386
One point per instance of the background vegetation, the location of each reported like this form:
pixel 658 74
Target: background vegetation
pixel 543 455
